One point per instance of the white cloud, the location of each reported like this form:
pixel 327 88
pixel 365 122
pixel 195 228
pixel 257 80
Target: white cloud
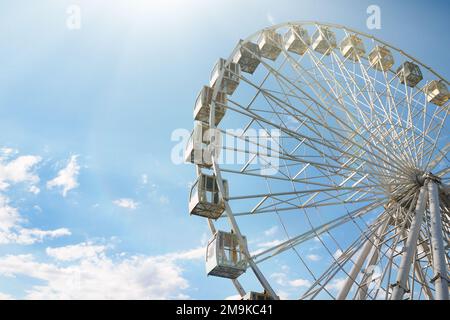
pixel 289 287
pixel 15 171
pixel 18 170
pixel 126 203
pixel 144 179
pixel 300 283
pixel 67 177
pixel 34 189
pixel 4 296
pixel 30 236
pixel 9 216
pixel 7 151
pixel 234 297
pixel 269 244
pixel 336 284
pixel 83 250
pixel 95 275
pixel 283 295
pixel 313 257
pixel 280 278
pixel 12 231
pixel 266 245
pixel 194 254
pixel 272 231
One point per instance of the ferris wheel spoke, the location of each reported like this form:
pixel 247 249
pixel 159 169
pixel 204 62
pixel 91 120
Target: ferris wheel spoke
pixel 337 265
pixel 302 203
pixel 300 137
pixel 272 177
pixel 341 185
pixel 320 203
pixel 349 92
pixel 395 104
pixel 369 102
pixel 411 116
pixel 295 241
pixel 392 107
pixel 434 146
pixel 320 135
pixel 340 121
pixel 299 192
pixel 326 93
pixel 310 139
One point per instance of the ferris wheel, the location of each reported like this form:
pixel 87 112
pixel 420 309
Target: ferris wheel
pixel 341 152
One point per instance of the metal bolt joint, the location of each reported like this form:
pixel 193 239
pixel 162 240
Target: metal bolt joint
pixel 439 276
pixel 426 177
pixel 397 284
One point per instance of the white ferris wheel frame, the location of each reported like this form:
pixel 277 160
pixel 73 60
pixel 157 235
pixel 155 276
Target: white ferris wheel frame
pixel 380 227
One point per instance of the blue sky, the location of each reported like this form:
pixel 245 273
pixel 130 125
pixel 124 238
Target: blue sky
pixel 87 186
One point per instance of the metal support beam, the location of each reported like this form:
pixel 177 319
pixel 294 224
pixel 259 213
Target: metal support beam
pixel 437 245
pixel 239 287
pixel 355 270
pixel 361 294
pixel 358 264
pixel 400 286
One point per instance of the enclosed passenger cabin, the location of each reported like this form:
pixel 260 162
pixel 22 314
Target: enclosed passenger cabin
pixel 247 56
pixel 270 44
pixel 205 199
pixel 297 40
pixel 231 76
pixel 381 58
pixel 409 73
pixel 196 151
pixel 352 47
pixel 203 105
pixel 257 296
pixel 225 256
pixel 437 92
pixel 324 40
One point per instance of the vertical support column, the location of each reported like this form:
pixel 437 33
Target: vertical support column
pixel 355 270
pixel 437 244
pixel 361 294
pixel 410 247
pixel 358 264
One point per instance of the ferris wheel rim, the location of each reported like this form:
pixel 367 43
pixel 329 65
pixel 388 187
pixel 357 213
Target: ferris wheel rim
pixel 338 26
